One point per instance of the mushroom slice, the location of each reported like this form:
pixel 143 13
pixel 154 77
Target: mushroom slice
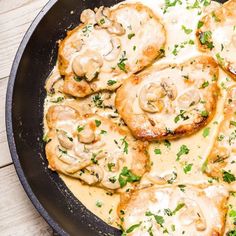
pixel 169 88
pixel 88 16
pixel 150 97
pixel 64 140
pixel 189 98
pixel 191 213
pixel 88 64
pixel 91 153
pixel 102 17
pixel 198 210
pixel 53 78
pixel 116 28
pixel 115 51
pixel 158 104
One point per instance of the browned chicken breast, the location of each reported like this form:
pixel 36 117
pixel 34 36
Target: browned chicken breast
pixel 109 45
pixel 221 162
pixel 169 101
pixel 217 34
pixel 196 211
pixel 93 149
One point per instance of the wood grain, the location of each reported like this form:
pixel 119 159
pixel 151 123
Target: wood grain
pixel 17 214
pixel 5 158
pixel 15 18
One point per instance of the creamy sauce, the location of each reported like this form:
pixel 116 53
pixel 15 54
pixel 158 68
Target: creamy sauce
pixel 181 24
pixel 102 203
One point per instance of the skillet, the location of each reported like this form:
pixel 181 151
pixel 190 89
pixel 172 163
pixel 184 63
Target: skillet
pixel 34 60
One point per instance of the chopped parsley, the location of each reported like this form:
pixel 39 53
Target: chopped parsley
pixel 169 3
pixel 80 128
pixel 220 59
pixel 173 178
pixel 93 159
pixel 112 179
pixel 215 17
pixel 205 84
pixel 87 29
pixel 98 123
pixel 206 132
pixel 102 21
pixel 133 227
pixel 62 151
pixel 159 219
pixel 204 113
pixel 167 143
pixel 111 82
pixel 231 233
pixel 157 151
pixel 126 145
pixel 110 165
pixel 233 123
pixel 188 168
pixel 181 187
pixel 126 176
pixel 77 78
pixel 200 24
pixel 196 4
pixel 186 30
pixel 98 102
pixel 204 166
pixel 103 131
pixel 46 139
pixel 228 177
pixel 181 116
pixel 99 204
pixel 121 64
pixel 57 100
pixel 183 151
pixel 205 39
pixel 178 207
pixel 130 36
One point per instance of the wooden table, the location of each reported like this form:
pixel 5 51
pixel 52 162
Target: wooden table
pixel 17 214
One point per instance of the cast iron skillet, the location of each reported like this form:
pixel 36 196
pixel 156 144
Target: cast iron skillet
pixel 35 58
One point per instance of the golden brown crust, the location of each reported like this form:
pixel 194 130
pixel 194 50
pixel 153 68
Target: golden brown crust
pixel 98 161
pixel 146 126
pixel 143 54
pixel 222 20
pixel 222 152
pixel 208 201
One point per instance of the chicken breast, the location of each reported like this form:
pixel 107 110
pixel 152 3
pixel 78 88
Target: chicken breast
pixel 217 34
pixel 176 210
pixel 169 101
pixel 221 162
pixel 109 45
pixel 93 149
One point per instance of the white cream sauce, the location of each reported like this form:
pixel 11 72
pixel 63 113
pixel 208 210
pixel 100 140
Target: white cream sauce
pixel 181 23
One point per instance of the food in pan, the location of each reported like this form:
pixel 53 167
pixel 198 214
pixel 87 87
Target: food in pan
pixel 93 149
pixel 140 120
pixel 173 210
pixel 108 46
pixel 169 101
pixel 216 34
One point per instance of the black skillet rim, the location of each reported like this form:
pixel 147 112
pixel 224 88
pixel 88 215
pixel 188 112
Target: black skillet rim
pixel 9 126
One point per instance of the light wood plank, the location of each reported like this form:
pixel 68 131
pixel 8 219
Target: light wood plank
pixel 5 157
pixel 17 214
pixel 15 18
